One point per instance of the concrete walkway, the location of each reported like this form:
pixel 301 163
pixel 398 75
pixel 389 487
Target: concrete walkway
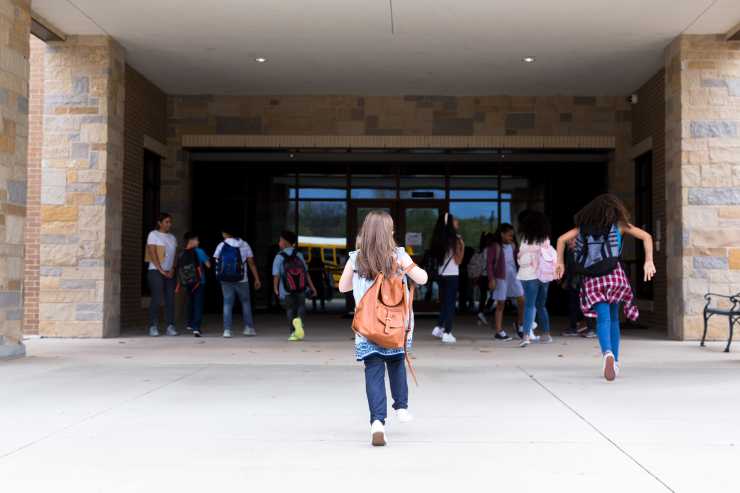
pixel 209 415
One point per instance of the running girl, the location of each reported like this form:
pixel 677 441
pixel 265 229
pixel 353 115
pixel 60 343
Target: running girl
pixel 502 278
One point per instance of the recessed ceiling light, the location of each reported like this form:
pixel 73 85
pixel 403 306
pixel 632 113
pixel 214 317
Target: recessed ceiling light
pixel 260 59
pixel 529 59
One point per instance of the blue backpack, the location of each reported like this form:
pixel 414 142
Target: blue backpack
pixel 230 265
pixel 597 253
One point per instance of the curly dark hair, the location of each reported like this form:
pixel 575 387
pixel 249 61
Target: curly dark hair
pixel 601 213
pixel 535 228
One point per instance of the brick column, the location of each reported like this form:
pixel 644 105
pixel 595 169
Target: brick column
pixel 702 177
pixel 15 25
pixel 82 163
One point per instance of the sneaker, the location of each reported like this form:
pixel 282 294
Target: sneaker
pixel 570 332
pixel 293 337
pixel 438 332
pixel 404 416
pixel 609 372
pixel 520 330
pixel 589 334
pixel 298 328
pixel 544 339
pixel 525 342
pixel 153 332
pixel 502 336
pixel 227 333
pixel 250 332
pixel 448 338
pixel 482 320
pixel 377 434
pixel 196 332
pixel 617 368
pixel 189 328
pixel 532 336
pixel 171 330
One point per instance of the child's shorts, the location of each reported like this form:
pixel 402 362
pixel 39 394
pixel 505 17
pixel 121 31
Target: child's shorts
pixel 506 289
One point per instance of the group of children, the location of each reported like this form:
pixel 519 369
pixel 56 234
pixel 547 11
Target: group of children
pixel 233 259
pixel 521 272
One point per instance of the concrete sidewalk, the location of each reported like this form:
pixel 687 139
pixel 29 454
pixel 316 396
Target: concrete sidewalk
pixel 183 414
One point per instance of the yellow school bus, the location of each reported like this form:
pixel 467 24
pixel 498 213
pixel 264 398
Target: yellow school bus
pixel 333 251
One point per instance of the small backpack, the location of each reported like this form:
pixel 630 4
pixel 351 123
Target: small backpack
pixel 294 273
pixel 597 254
pixel 230 266
pixel 188 270
pixel 546 263
pixel 477 265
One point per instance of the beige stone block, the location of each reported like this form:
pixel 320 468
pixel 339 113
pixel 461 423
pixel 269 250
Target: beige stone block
pixel 96 133
pixel 51 213
pixel 84 273
pixel 58 228
pixel 47 282
pixel 734 257
pixel 715 175
pixel 14 227
pixel 58 255
pixel 691 176
pixel 715 238
pixel 729 212
pixel 56 311
pixel 68 296
pixel 92 217
pixel 724 155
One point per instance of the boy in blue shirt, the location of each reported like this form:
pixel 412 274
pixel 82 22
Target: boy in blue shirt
pixel 289 280
pixel 195 290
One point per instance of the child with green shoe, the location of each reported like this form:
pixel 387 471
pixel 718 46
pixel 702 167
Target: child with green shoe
pixel 289 280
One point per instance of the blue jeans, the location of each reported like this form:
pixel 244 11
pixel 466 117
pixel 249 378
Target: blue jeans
pixel 231 290
pixel 447 295
pixel 535 297
pixel 607 327
pixel 375 385
pixel 195 306
pixel 161 287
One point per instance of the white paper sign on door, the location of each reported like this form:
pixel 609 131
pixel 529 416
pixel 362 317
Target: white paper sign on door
pixel 414 239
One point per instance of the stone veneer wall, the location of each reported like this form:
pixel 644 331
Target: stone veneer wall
pixel 703 177
pixel 648 122
pixel 15 25
pixel 389 116
pixel 146 114
pixel 82 173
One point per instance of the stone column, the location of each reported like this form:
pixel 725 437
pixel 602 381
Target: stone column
pixel 702 177
pixel 15 26
pixel 81 189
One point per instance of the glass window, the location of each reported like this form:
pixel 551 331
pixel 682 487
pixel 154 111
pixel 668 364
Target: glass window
pixel 518 194
pixel 317 186
pixel 373 187
pixel 326 220
pixel 285 186
pixel 423 187
pixel 420 223
pixel 473 187
pixel 290 219
pixel 475 218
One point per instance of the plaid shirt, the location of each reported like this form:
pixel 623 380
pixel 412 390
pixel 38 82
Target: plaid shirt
pixel 613 287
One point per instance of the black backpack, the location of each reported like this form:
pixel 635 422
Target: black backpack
pixel 188 270
pixel 597 253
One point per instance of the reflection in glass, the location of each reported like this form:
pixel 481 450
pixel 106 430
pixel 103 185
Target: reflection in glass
pixel 316 186
pixel 373 187
pixel 475 218
pixel 324 219
pixel 422 187
pixel 474 187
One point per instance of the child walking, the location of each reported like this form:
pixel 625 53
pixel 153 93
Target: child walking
pixel 502 278
pixel 289 280
pixel 191 269
pixel 535 231
pixel 600 228
pixel 448 250
pixel 376 253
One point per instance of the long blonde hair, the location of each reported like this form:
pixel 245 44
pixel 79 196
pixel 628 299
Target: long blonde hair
pixel 376 245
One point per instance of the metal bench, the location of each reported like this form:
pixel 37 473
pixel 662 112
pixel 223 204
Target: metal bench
pixel 732 313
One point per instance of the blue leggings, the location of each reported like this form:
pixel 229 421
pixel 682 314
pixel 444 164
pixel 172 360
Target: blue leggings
pixel 607 327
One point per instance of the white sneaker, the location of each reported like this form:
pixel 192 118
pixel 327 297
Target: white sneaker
pixel 448 338
pixel 250 332
pixel 544 339
pixel 532 336
pixel 189 328
pixel 404 416
pixel 171 330
pixel 617 368
pixel 227 333
pixel 482 320
pixel 377 434
pixel 525 342
pixel 438 332
pixel 153 331
pixel 608 367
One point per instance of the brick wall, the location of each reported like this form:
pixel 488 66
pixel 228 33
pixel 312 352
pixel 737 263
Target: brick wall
pixel 648 121
pixel 33 197
pixel 146 110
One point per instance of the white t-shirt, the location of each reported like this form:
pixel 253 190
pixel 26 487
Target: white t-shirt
pixel 449 267
pixel 529 256
pixel 243 247
pixel 169 242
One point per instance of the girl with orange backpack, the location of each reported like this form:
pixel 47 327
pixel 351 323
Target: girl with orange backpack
pixel 372 273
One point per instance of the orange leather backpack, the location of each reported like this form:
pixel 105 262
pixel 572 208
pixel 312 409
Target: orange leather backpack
pixel 383 315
